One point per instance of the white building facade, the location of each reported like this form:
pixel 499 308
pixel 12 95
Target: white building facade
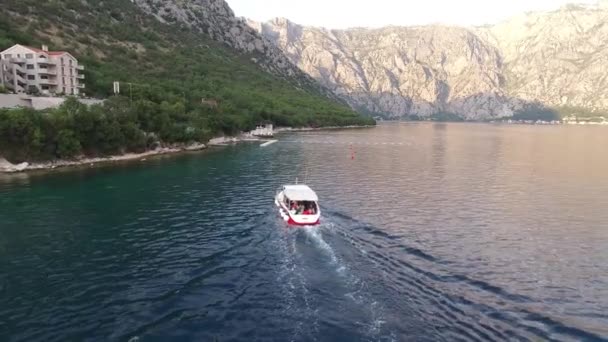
pixel 29 70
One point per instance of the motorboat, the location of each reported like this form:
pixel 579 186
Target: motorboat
pixel 298 205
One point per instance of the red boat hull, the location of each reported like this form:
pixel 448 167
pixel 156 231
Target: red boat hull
pixel 291 222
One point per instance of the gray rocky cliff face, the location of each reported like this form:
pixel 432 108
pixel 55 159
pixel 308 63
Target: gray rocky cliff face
pixel 554 59
pixel 216 19
pixel 558 58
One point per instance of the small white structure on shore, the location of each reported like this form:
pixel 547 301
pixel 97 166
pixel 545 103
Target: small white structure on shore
pixel 265 131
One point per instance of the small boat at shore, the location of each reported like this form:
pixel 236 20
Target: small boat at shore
pixel 298 205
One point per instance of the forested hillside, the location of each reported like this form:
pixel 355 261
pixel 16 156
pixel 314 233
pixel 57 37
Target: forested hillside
pixel 171 68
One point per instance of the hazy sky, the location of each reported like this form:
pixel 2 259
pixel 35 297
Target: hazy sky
pixel 375 13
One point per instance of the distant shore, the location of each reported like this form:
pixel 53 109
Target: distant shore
pixel 308 129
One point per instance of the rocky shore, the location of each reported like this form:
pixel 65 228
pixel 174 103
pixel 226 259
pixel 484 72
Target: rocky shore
pixel 7 167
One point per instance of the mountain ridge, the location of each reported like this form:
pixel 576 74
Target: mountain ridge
pixel 537 60
pixel 216 19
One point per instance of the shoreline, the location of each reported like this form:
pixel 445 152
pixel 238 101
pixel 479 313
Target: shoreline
pixel 504 122
pixel 310 129
pixel 7 167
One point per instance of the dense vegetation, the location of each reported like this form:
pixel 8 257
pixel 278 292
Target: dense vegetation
pixel 534 114
pixel 115 127
pixel 441 117
pixel 539 112
pixel 581 113
pixel 164 69
pixel 446 117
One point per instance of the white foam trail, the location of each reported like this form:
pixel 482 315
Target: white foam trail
pixel 294 286
pixel 268 143
pixel 314 233
pixel 291 280
pixel 360 293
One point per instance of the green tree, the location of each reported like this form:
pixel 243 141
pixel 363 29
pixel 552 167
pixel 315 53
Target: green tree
pixel 68 145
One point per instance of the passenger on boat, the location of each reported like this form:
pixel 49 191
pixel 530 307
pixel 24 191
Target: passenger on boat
pixel 293 208
pixel 309 208
pixel 300 209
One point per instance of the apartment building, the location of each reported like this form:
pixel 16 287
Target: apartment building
pixel 24 69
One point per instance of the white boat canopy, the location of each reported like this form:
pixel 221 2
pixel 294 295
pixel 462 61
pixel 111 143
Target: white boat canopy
pixel 300 193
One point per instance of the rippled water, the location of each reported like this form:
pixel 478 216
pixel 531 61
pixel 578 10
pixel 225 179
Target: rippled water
pixel 432 232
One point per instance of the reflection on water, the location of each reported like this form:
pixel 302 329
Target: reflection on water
pixel 19 178
pixel 432 232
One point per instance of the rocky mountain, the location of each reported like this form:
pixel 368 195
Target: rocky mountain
pixel 550 59
pixel 557 58
pixel 216 19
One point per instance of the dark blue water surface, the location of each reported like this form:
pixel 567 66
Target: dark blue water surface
pixel 433 232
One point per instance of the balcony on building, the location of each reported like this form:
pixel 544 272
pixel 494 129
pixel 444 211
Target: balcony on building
pixel 81 86
pixel 16 79
pixel 43 63
pixel 46 71
pixel 48 81
pixel 20 77
pixel 80 67
pixel 18 60
pixel 80 76
pixel 19 68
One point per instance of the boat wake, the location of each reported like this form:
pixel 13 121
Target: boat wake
pixel 346 267
pixel 465 307
pixel 294 285
pixel 315 235
pixel 351 292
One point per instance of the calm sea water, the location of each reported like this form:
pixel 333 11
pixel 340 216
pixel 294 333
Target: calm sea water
pixel 432 232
